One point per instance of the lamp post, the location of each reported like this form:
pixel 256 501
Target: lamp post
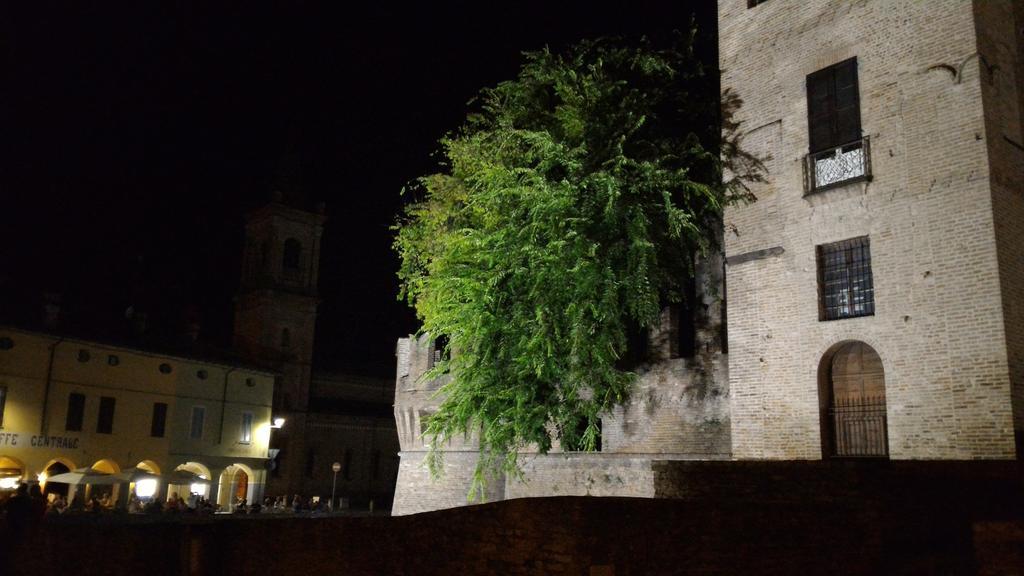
pixel 334 485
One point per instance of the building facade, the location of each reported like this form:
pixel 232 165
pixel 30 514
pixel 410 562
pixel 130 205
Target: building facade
pixel 68 403
pixel 874 288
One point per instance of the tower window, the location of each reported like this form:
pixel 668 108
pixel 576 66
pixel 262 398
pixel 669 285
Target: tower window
pixel 286 338
pixel 844 279
pixel 292 254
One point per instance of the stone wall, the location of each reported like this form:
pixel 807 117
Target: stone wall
pixel 962 519
pixel 938 324
pixel 1000 28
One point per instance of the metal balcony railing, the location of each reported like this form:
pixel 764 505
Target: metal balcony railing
pixel 850 162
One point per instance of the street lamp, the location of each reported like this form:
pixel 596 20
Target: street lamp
pixel 334 485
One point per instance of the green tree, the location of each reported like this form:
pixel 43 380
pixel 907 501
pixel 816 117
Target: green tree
pixel 571 207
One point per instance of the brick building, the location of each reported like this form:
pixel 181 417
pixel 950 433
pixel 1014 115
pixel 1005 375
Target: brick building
pixel 874 289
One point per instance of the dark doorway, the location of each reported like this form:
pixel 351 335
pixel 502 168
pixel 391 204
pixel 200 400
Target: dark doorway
pixel 853 413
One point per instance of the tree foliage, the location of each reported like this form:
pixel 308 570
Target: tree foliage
pixel 571 207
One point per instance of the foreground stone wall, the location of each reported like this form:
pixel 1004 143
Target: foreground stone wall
pixel 961 519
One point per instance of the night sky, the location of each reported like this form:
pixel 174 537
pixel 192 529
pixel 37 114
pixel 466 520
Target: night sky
pixel 133 139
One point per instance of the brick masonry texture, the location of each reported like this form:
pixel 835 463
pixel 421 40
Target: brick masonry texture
pixel 935 212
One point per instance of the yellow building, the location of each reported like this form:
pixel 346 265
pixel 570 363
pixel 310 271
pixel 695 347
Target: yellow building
pixel 67 403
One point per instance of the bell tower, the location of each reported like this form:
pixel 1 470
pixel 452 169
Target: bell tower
pixel 275 315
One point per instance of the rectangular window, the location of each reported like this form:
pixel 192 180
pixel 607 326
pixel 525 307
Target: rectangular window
pixel 156 429
pixel 198 416
pixel 105 423
pixel 76 412
pixel 838 151
pixel 3 402
pixel 844 279
pixel 245 436
pixel 833 106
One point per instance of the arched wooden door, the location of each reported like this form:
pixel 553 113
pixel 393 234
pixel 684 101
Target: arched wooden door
pixel 855 385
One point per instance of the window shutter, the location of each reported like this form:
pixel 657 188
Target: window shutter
pixel 833 106
pixel 821 109
pixel 847 103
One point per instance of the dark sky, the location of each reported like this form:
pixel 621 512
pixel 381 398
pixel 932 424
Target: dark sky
pixel 133 138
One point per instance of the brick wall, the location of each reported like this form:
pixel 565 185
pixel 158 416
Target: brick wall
pixel 928 211
pixel 1000 27
pixel 958 518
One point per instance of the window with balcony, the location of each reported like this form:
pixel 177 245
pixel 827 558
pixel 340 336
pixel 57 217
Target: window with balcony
pixel 844 279
pixel 839 154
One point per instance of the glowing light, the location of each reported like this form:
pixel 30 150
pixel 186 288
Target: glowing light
pixel 198 489
pixel 145 488
pixel 278 422
pixel 9 483
pixel 42 478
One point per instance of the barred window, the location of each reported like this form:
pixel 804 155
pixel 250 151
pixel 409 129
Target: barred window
pixel 844 279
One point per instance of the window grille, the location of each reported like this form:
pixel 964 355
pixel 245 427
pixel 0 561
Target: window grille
pixel 844 279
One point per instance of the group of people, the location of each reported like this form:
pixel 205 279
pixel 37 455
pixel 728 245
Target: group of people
pixel 28 506
pixel 295 504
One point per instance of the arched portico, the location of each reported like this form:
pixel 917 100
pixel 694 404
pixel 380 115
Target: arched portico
pixel 851 392
pixel 204 488
pixel 12 473
pixel 238 481
pixel 52 468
